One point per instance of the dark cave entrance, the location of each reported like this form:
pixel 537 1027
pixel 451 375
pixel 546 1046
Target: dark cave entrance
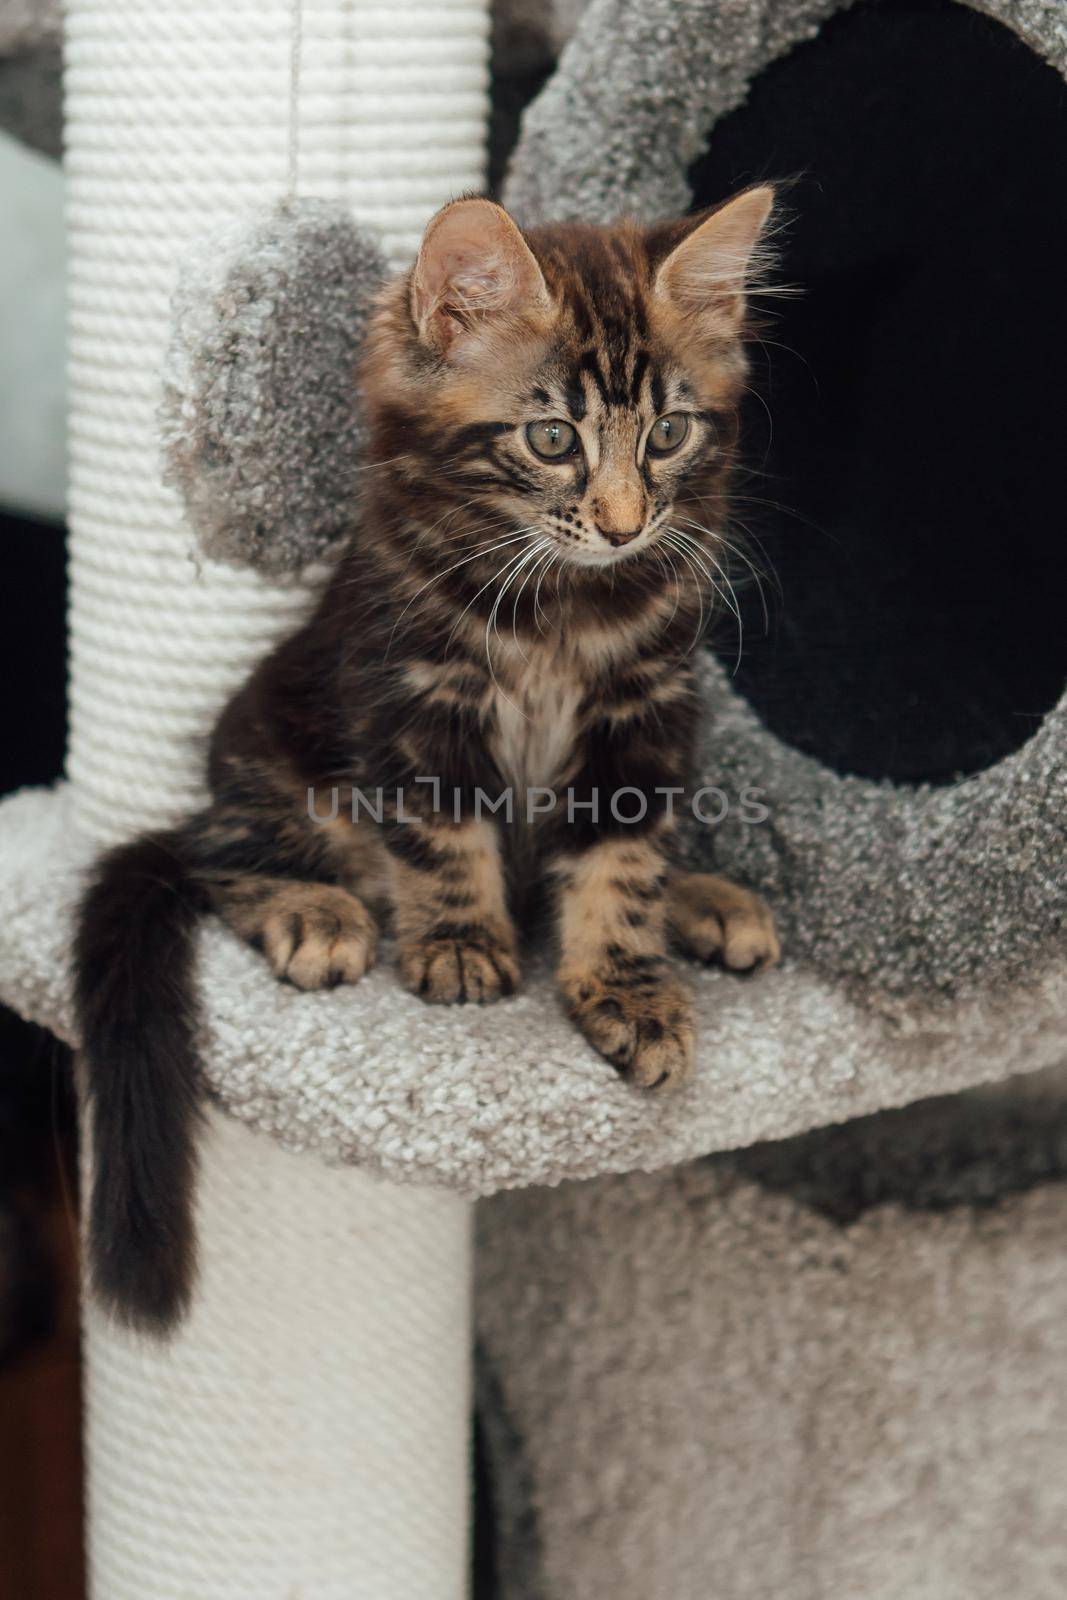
pixel 917 392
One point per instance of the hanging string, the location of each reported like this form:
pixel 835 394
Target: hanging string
pixel 296 39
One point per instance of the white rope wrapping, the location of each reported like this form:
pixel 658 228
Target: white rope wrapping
pixel 177 119
pixel 305 1438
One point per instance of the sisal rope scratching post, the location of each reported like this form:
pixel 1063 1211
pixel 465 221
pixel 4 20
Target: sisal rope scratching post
pixel 305 1436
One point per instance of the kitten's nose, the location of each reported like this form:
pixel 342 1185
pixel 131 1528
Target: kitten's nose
pixel 617 536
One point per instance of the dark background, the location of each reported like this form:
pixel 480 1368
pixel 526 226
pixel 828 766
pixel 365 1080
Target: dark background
pixel 40 1392
pixel 916 388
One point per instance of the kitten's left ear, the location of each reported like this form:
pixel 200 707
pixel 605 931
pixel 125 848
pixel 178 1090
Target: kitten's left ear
pixel 705 276
pixel 474 272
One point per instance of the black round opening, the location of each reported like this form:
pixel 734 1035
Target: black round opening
pixel 915 389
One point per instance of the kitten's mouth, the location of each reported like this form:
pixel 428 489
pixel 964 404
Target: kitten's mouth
pixel 605 554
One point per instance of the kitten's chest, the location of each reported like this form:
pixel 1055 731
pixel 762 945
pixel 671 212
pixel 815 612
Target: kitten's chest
pixel 534 725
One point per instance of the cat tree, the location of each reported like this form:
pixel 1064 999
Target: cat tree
pixel 307 1431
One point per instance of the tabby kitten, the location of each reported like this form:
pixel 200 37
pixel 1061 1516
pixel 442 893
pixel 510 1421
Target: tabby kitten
pixel 553 416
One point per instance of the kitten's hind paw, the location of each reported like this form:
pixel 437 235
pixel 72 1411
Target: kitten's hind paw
pixel 715 920
pixel 452 971
pixel 640 1019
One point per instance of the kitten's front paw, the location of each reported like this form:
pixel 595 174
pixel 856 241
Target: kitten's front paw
pixel 715 920
pixel 451 971
pixel 641 1020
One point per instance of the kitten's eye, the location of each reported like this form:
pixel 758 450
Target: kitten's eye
pixel 667 433
pixel 551 440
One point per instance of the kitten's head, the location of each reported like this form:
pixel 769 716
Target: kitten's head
pixel 573 382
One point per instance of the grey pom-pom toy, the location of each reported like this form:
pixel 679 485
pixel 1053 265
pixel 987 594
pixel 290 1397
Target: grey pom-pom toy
pixel 260 421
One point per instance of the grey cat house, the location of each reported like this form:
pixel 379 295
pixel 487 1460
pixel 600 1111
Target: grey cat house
pixel 799 1330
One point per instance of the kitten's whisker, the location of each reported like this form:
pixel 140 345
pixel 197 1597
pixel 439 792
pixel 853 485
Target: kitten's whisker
pixel 490 549
pixel 721 539
pixel 513 566
pixel 699 630
pixel 375 466
pixel 777 344
pixel 729 596
pixel 500 519
pixel 524 560
pixel 450 511
pixel 538 610
pixel 421 534
pixel 706 555
pixel 736 551
pixel 701 574
pixel 767 411
pixel 545 550
pixel 727 591
pixel 661 557
pixel 760 573
pixel 774 505
pixel 727 544
pixel 524 534
pixel 680 535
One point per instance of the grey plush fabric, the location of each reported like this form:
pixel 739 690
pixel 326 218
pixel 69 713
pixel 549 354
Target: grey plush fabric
pixel 29 24
pixel 261 431
pixel 642 85
pixel 479 1099
pixel 696 1389
pixel 634 99
pixel 899 889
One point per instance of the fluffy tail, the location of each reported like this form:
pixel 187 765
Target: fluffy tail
pixel 136 1003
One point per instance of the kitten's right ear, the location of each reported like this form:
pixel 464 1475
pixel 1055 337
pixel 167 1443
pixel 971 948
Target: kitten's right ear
pixel 706 275
pixel 474 271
